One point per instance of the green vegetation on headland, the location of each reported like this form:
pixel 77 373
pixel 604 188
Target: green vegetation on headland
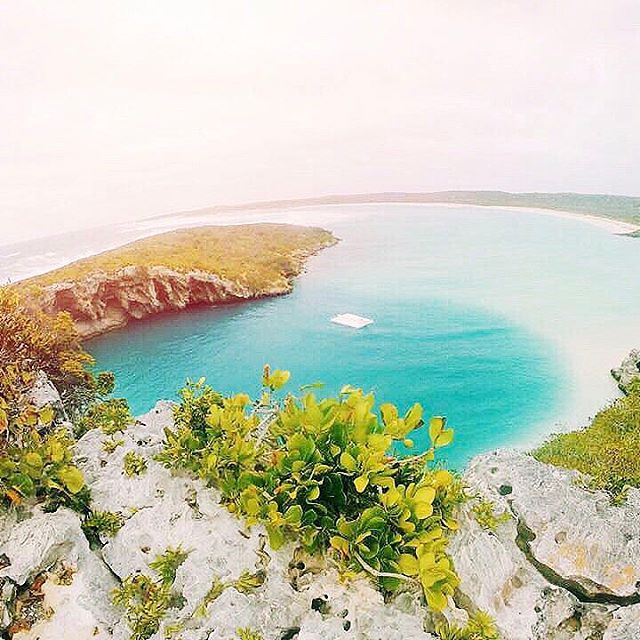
pixel 176 270
pixel 607 451
pixel 623 208
pixel 255 255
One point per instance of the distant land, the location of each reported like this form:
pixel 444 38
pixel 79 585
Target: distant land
pixel 623 208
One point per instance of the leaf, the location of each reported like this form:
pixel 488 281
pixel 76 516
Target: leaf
pixel 276 536
pixel 348 462
pixel 293 515
pixel 22 483
pixel 339 543
pixel 444 438
pixel 436 425
pixel 361 483
pixel 389 413
pixel 423 510
pixel 436 599
pixel 408 564
pixel 413 417
pixel 46 415
pixel 72 478
pixel 4 420
pixel 56 451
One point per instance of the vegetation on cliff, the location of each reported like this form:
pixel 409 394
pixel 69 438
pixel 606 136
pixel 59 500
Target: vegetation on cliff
pixel 320 471
pixel 606 450
pixel 255 255
pixel 36 457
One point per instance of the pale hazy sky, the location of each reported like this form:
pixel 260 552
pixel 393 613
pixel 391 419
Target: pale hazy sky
pixel 117 110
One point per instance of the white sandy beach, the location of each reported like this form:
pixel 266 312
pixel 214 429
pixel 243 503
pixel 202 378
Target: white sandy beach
pixel 18 262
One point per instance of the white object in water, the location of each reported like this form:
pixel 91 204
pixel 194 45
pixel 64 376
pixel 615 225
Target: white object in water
pixel 351 320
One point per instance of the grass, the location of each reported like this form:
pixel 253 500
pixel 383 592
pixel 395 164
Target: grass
pixel 608 450
pixel 256 255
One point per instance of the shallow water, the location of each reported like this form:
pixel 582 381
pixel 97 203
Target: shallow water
pixel 506 322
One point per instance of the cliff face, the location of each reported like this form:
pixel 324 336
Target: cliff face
pixel 101 301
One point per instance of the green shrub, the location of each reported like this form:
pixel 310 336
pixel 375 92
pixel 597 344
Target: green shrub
pixel 111 416
pixel 36 461
pixel 322 472
pixel 480 626
pixel 100 523
pixel 485 515
pixel 607 450
pixel 134 464
pixel 146 600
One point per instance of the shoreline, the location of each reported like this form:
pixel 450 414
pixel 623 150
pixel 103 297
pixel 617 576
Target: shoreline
pixel 40 262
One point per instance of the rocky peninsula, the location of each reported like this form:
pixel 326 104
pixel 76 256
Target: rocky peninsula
pixel 176 270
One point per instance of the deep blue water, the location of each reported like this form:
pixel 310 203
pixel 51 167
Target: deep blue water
pixel 460 323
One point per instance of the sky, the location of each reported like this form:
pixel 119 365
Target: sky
pixel 112 111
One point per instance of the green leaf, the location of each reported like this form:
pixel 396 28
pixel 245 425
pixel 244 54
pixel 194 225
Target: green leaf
pixel 445 438
pixel 293 514
pixel 361 483
pixel 436 425
pixel 408 564
pixel 22 483
pixel 413 417
pixel 348 462
pixel 72 478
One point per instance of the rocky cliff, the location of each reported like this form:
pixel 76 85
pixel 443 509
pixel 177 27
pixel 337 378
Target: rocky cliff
pixel 628 371
pixel 564 564
pixel 102 301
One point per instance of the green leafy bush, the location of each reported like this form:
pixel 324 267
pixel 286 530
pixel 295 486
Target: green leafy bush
pixel 134 464
pixel 480 626
pixel 36 460
pixel 100 523
pixel 322 472
pixel 111 416
pixel 146 600
pixel 486 516
pixel 607 450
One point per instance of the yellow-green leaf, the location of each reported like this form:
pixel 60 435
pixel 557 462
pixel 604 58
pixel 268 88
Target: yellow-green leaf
pixel 348 461
pixel 361 483
pixel 46 415
pixel 408 564
pixel 444 438
pixel 436 425
pixel 72 478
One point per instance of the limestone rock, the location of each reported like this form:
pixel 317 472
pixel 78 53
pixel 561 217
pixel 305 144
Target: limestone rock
pixel 164 510
pixel 44 542
pixel 628 371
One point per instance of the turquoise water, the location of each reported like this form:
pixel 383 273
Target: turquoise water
pixel 474 313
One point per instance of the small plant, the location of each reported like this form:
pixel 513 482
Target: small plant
pixel 485 515
pixel 168 563
pixel 111 416
pixel 480 626
pixel 111 444
pixel 100 523
pixel 322 472
pixel 134 464
pixel 146 600
pixel 146 603
pixel 248 634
